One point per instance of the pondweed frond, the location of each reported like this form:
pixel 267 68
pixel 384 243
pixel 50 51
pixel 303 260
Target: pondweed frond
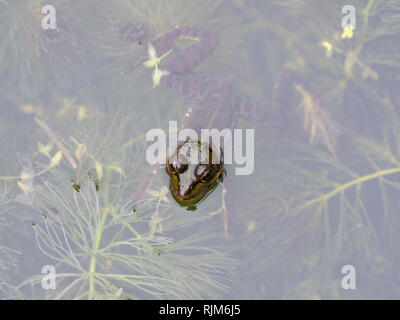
pixel 166 14
pixel 325 209
pixel 304 213
pixel 99 242
pixel 9 252
pixel 33 58
pixel 319 214
pixel 8 256
pixel 125 27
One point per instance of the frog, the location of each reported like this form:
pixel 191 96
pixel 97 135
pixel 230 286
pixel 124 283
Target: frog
pixel 192 181
pixel 218 104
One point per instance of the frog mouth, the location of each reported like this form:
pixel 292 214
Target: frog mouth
pixel 188 201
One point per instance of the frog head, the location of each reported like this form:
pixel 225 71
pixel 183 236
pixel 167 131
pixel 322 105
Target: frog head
pixel 195 169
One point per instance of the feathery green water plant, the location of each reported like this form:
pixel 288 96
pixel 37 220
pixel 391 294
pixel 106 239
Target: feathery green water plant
pixel 103 246
pixel 322 208
pixel 33 59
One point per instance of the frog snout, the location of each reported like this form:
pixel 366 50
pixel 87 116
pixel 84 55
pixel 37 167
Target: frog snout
pixel 186 180
pixel 183 190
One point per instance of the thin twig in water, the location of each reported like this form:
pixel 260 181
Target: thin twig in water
pixel 56 141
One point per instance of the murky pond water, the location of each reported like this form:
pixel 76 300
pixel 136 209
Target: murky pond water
pixel 315 215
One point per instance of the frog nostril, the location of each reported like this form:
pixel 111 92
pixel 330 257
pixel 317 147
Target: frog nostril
pixel 182 168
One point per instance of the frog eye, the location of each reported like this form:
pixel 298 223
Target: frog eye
pixel 204 173
pixel 207 176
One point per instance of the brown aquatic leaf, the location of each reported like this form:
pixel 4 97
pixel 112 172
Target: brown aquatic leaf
pixel 318 122
pixel 56 141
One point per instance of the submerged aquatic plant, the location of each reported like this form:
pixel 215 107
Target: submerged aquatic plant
pixel 165 14
pixel 326 205
pixel 104 246
pixel 8 256
pixel 9 252
pixel 130 24
pixel 34 59
pixel 318 208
